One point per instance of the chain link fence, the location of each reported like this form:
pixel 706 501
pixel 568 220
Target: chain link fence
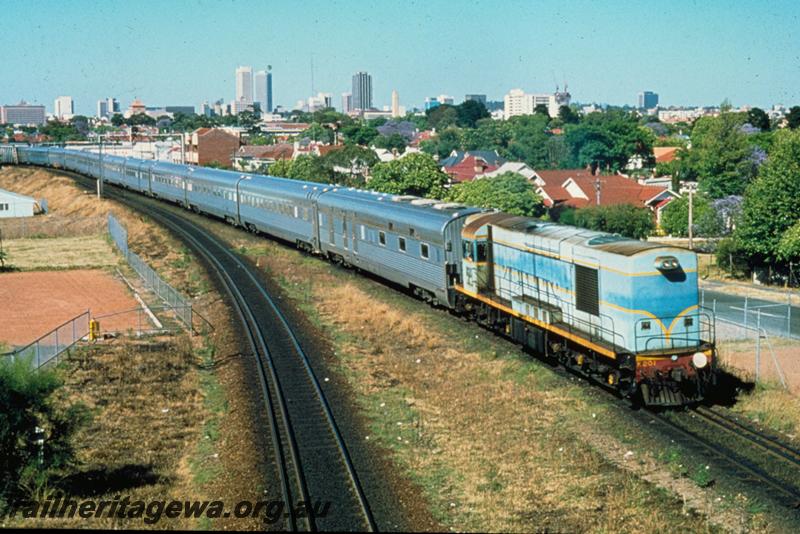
pixel 180 305
pixel 49 346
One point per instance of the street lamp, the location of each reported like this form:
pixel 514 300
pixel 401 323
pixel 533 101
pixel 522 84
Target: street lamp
pixel 238 210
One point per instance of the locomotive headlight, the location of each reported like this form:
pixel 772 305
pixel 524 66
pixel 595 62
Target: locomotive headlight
pixel 667 263
pixel 699 360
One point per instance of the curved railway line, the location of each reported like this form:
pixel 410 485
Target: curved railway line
pixel 307 441
pixel 312 461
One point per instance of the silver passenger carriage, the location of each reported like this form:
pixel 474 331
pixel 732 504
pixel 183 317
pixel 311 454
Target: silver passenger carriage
pixel 411 241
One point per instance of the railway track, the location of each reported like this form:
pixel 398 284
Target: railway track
pixel 766 443
pixel 783 484
pixel 296 438
pixel 313 465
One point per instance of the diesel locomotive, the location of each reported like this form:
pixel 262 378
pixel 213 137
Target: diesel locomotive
pixel 617 310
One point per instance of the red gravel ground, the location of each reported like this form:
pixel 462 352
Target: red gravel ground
pixel 33 303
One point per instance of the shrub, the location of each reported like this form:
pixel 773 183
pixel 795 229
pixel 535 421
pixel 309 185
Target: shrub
pixel 27 403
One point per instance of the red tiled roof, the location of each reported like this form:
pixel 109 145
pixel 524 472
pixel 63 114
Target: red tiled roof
pixel 277 151
pixel 467 169
pixel 327 149
pixel 665 154
pixel 614 189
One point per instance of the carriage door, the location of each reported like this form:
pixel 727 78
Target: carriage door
pixel 345 240
pixel 354 233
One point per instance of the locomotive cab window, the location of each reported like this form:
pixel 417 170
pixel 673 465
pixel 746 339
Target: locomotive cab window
pixel 688 321
pixel 645 325
pixel 481 252
pixel 467 249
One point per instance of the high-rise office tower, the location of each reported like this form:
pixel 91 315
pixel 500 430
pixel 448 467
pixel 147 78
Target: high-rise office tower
pixel 244 85
pixel 347 102
pixel 260 78
pixel 64 107
pixel 648 100
pixel 269 89
pixel 395 104
pixel 362 91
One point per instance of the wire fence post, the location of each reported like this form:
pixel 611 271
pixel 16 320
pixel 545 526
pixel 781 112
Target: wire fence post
pixel 758 344
pixel 789 317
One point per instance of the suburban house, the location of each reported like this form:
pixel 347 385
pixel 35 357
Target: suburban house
pixel 211 145
pixel 465 166
pixel 251 157
pixel 579 188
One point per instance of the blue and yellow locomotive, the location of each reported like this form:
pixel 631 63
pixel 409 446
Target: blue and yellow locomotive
pixel 617 309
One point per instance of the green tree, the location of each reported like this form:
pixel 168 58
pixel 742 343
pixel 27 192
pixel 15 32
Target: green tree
pixel 720 157
pixel 529 140
pixel 61 132
pixel 541 109
pixel 568 116
pixel 624 219
pixel 508 192
pixel 470 112
pixel 317 132
pixel 607 140
pixel 394 141
pixel 758 118
pixel 771 205
pixel 413 174
pixel 27 401
pixel 442 116
pixel 305 167
pixel 793 117
pixel 117 119
pixel 443 143
pixel 789 245
pixel 706 221
pixel 359 133
pixel 488 134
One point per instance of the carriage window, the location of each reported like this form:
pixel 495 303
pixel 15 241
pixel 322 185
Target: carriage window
pixel 412 232
pixel 296 212
pixel 401 244
pixel 423 250
pixel 645 325
pixel 363 233
pixel 382 238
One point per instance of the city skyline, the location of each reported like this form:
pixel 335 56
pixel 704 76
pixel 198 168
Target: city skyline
pixel 689 54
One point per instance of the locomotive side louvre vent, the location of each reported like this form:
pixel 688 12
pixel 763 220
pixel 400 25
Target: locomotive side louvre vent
pixel 587 296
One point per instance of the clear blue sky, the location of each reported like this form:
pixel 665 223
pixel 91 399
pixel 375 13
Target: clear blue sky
pixel 181 53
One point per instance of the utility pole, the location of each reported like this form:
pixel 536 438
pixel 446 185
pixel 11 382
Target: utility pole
pixel 690 188
pixel 597 188
pixel 100 174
